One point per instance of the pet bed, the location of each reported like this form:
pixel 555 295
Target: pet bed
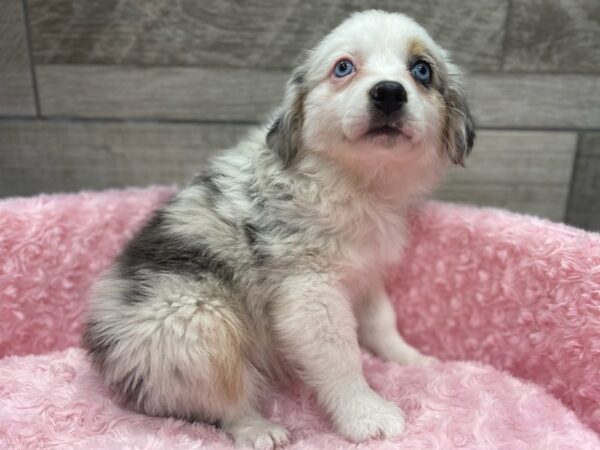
pixel 510 304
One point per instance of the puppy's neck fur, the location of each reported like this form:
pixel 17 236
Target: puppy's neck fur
pixel 392 183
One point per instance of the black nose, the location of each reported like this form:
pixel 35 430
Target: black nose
pixel 388 96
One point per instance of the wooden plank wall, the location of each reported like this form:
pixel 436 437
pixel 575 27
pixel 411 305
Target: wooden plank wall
pixel 108 93
pixel 16 84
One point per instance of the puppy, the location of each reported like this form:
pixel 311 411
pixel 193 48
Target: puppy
pixel 270 264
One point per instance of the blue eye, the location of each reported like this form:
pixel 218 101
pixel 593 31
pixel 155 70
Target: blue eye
pixel 421 71
pixel 343 68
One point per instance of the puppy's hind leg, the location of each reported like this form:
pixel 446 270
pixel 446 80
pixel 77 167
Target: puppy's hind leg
pixel 181 350
pixel 235 382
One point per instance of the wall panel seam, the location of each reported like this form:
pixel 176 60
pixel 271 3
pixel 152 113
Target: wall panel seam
pixel 34 82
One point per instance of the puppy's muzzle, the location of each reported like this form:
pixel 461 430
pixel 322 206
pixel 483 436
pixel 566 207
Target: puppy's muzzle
pixel 388 97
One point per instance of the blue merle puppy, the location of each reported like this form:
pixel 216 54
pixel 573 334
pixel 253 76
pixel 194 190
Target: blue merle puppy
pixel 269 265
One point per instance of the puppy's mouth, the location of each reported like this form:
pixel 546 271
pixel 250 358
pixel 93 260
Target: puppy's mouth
pixel 389 131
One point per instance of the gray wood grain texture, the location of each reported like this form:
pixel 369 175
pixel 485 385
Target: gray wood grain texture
pixel 499 100
pixel 268 34
pixel 226 62
pixel 584 202
pixel 536 100
pixel 50 156
pixel 16 89
pixel 522 171
pixel 553 35
pixel 173 93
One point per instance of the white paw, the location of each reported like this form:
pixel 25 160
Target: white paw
pixel 260 435
pixel 369 416
pixel 413 358
pixel 422 361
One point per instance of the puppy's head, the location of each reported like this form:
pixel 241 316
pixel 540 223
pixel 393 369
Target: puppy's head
pixel 377 88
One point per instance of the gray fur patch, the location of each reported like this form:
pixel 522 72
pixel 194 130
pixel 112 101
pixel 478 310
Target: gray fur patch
pixel 210 181
pixel 299 76
pixel 97 344
pixel 284 136
pixel 154 250
pixel 460 127
pixel 253 238
pixel 131 388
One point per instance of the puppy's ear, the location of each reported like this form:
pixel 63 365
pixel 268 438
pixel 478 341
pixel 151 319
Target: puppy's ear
pixel 459 129
pixel 285 135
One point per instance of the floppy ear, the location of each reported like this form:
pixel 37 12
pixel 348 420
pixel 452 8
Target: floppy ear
pixel 459 130
pixel 285 135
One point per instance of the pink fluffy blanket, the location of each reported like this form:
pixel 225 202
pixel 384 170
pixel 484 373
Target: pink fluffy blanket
pixel 516 296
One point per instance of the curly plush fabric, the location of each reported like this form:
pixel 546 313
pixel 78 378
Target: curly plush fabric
pixel 518 293
pixel 55 400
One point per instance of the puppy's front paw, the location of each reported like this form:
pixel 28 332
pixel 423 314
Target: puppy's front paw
pixel 413 358
pixel 369 416
pixel 423 361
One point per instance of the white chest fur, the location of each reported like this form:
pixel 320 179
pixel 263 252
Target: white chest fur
pixel 371 239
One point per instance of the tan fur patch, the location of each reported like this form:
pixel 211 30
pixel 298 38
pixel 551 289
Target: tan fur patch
pixel 444 133
pixel 228 354
pixel 416 48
